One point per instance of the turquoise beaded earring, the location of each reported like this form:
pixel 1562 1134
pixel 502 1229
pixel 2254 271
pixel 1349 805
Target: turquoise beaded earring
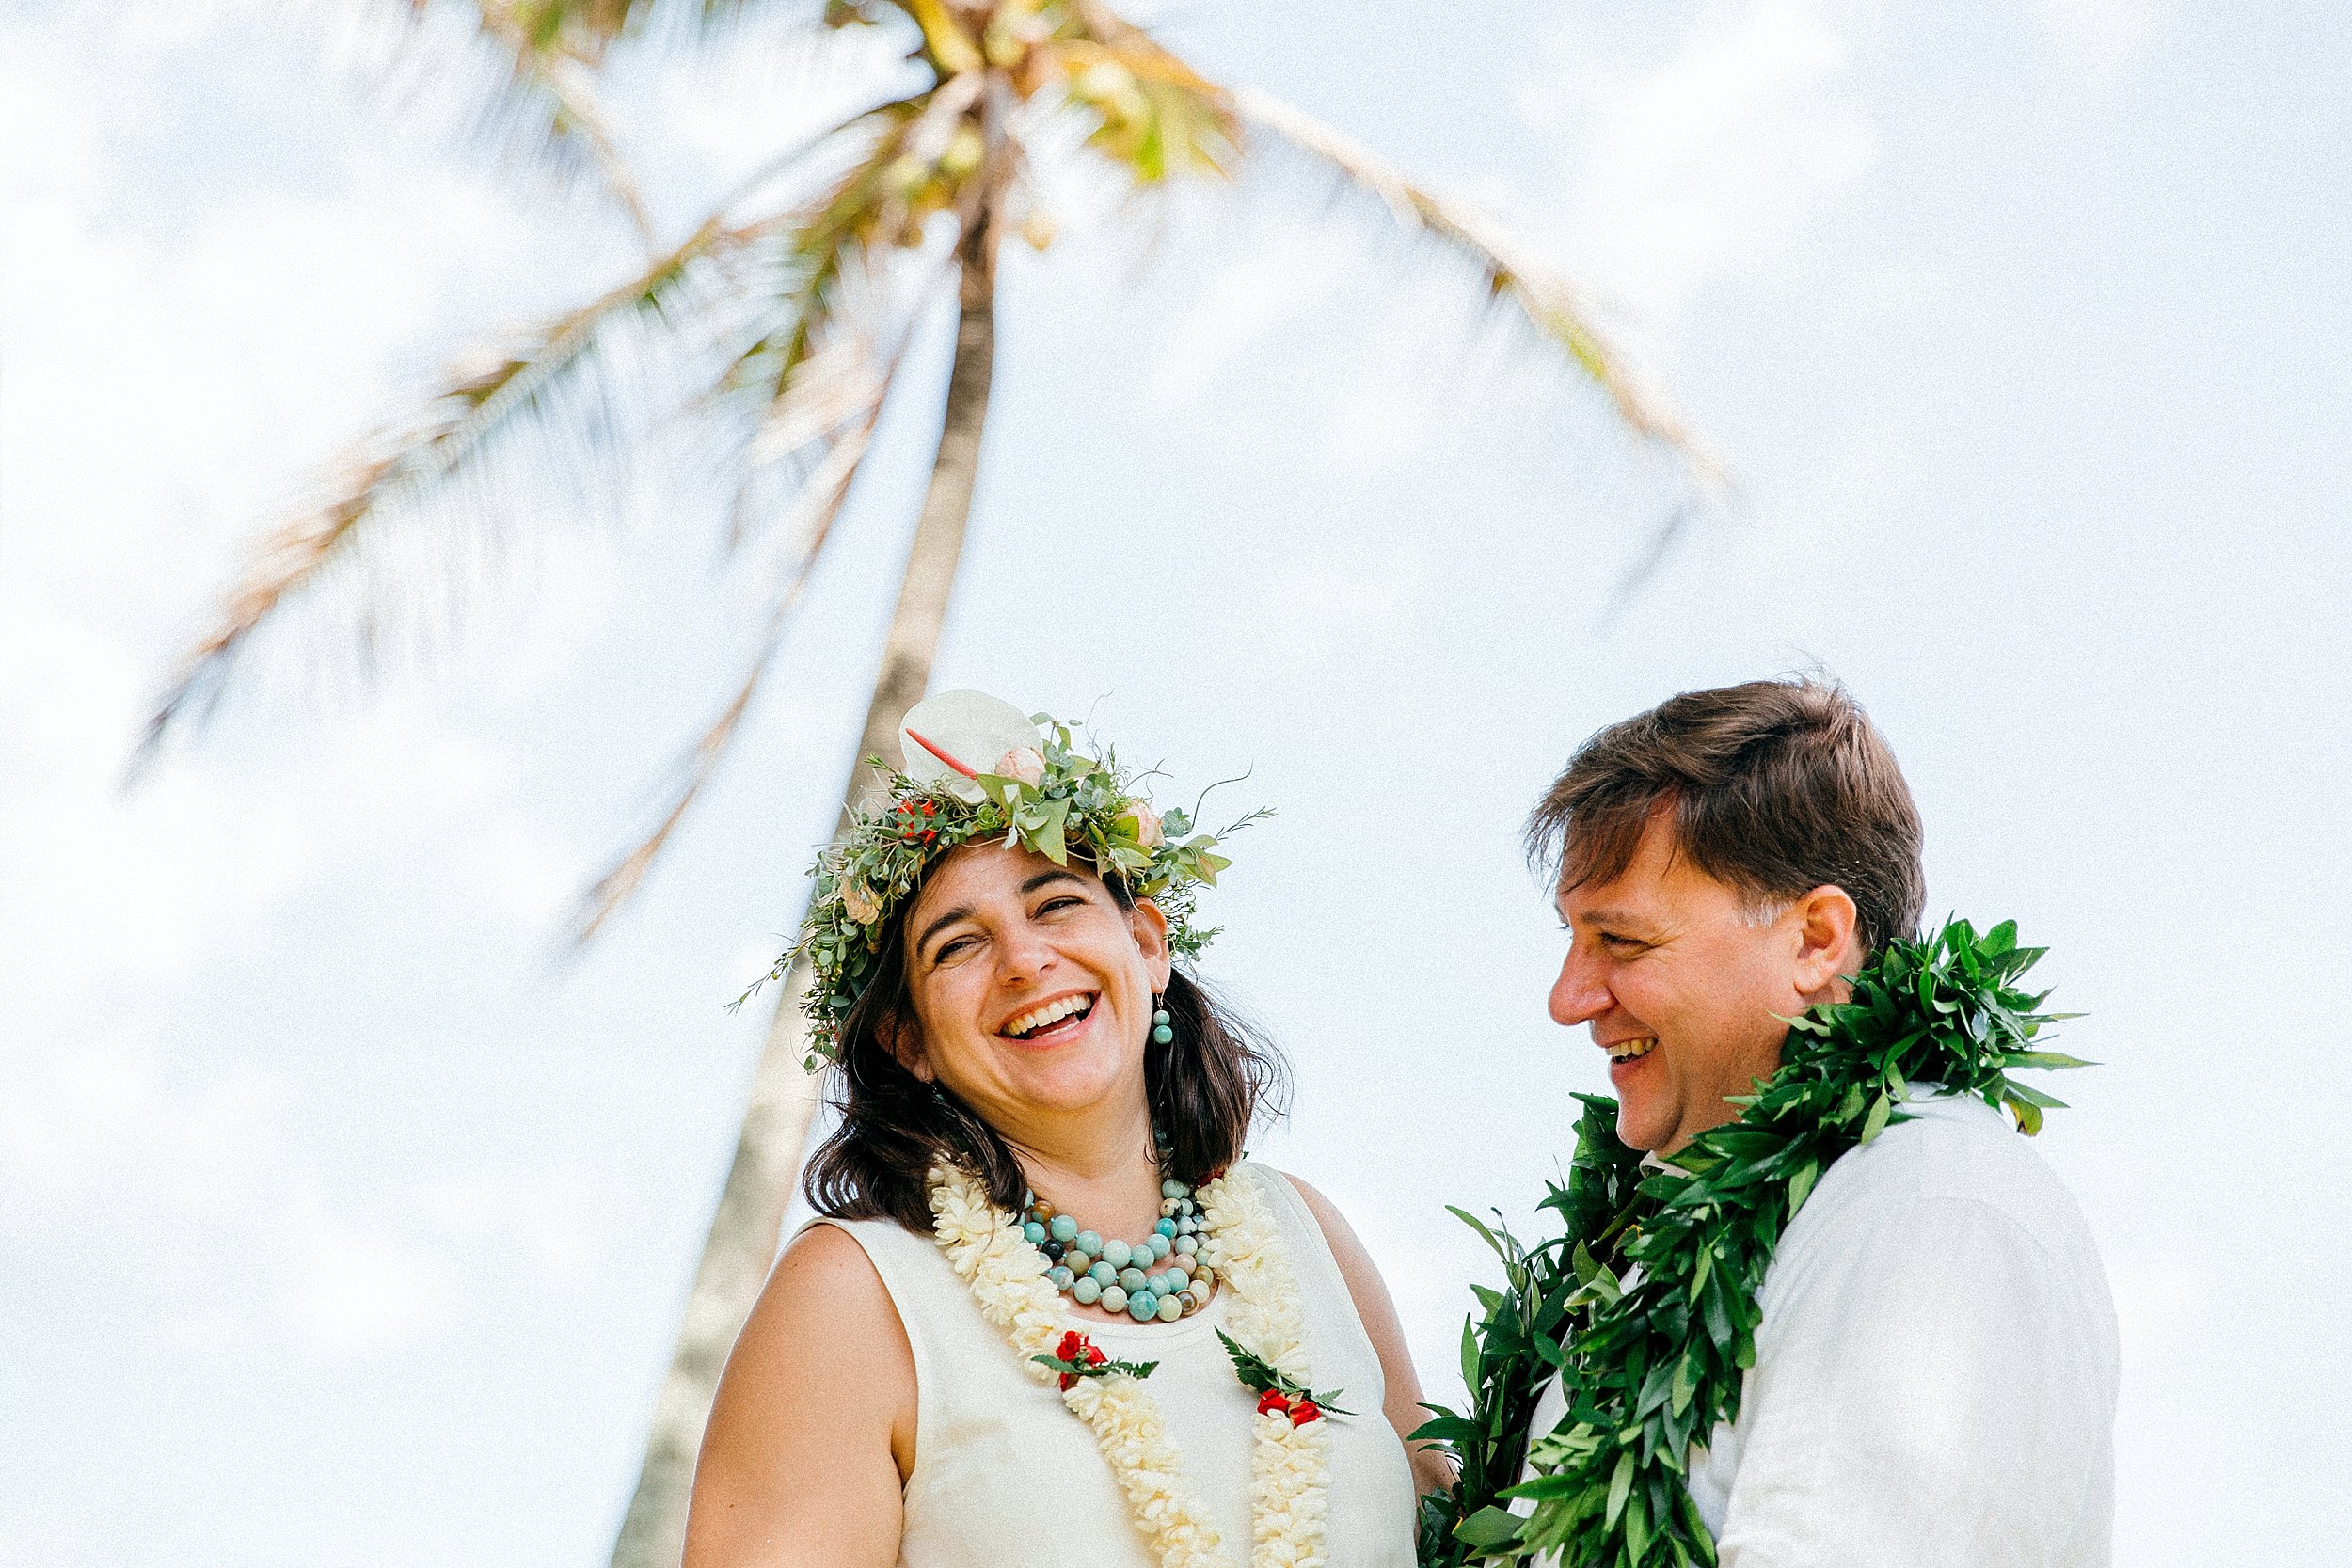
pixel 1162 1029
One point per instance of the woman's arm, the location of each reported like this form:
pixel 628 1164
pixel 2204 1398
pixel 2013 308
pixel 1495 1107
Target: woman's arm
pixel 813 1429
pixel 1432 1472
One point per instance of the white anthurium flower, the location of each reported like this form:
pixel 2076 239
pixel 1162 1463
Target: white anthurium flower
pixel 952 737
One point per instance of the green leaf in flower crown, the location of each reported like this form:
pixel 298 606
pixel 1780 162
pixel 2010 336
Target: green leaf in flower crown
pixel 1801 1184
pixel 1041 826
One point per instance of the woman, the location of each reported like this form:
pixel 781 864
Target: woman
pixel 1050 1316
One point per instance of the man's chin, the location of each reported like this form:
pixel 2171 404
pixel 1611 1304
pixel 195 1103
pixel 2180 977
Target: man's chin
pixel 1639 1127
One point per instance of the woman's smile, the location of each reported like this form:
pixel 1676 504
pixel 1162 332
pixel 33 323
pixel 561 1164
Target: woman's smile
pixel 1055 1021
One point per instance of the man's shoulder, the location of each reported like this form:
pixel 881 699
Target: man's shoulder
pixel 1955 1157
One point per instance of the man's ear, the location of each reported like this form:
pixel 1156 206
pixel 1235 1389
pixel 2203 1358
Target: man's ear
pixel 1829 945
pixel 1150 926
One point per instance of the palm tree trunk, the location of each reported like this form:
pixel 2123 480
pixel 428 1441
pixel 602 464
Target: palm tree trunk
pixel 742 1246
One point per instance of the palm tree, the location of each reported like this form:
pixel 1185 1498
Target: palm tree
pixel 785 316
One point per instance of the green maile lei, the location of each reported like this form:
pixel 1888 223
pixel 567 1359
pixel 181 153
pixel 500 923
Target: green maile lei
pixel 1648 1367
pixel 1078 807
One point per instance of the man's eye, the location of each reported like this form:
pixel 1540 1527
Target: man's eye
pixel 1622 944
pixel 1063 903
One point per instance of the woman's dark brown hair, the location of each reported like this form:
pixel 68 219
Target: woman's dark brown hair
pixel 1206 1088
pixel 1776 787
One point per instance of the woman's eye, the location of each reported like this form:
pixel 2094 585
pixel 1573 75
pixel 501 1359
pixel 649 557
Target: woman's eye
pixel 954 948
pixel 1064 903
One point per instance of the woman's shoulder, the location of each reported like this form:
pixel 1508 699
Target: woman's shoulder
pixel 825 1287
pixel 823 1368
pixel 1284 1190
pixel 1317 1212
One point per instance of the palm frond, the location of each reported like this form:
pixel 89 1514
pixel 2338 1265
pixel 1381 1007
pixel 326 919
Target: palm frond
pixel 553 382
pixel 879 201
pixel 1548 303
pixel 592 26
pixel 1158 117
pixel 540 103
pixel 820 388
pixel 555 93
pixel 834 401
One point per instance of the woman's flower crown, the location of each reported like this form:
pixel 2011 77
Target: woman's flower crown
pixel 976 768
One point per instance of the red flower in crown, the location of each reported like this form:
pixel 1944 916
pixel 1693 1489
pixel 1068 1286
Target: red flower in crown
pixel 1305 1411
pixel 1273 1400
pixel 914 821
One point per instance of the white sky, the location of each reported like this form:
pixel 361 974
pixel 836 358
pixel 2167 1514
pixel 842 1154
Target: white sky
pixel 341 1225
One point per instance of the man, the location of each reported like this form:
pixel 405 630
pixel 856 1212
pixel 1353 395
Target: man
pixel 1935 1366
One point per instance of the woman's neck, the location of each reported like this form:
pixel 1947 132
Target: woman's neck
pixel 1102 1172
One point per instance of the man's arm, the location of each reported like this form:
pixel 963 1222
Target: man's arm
pixel 1935 1388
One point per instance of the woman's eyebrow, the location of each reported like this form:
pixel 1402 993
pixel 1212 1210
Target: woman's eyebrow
pixel 962 912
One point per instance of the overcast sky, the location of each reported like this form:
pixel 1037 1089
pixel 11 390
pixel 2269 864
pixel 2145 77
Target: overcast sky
pixel 339 1225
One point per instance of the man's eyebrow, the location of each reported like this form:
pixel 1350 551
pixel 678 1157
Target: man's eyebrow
pixel 1612 917
pixel 1043 878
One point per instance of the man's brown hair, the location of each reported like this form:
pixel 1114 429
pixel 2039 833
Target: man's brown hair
pixel 1776 787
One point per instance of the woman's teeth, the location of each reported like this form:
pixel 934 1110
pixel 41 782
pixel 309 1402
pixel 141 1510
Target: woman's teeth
pixel 1626 1051
pixel 1053 1012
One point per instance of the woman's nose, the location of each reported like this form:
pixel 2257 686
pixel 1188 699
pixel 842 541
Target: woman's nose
pixel 1580 995
pixel 1023 954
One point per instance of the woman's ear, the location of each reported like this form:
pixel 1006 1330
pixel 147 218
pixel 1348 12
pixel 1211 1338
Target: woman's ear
pixel 1150 926
pixel 905 1044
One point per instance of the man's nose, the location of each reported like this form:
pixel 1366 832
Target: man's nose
pixel 1580 995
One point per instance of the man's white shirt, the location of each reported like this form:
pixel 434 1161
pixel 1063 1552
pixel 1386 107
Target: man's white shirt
pixel 1935 1370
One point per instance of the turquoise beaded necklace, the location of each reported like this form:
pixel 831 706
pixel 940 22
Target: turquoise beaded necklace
pixel 1162 1278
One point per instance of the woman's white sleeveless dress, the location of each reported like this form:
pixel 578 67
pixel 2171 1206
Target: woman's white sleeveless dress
pixel 1006 1477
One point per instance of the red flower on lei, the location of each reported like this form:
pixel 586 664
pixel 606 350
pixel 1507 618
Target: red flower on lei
pixel 1300 1408
pixel 1078 1356
pixel 1078 1348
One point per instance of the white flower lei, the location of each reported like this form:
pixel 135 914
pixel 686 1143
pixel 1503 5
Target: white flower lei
pixel 1287 1462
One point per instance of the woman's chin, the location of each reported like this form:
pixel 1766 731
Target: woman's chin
pixel 1066 1082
